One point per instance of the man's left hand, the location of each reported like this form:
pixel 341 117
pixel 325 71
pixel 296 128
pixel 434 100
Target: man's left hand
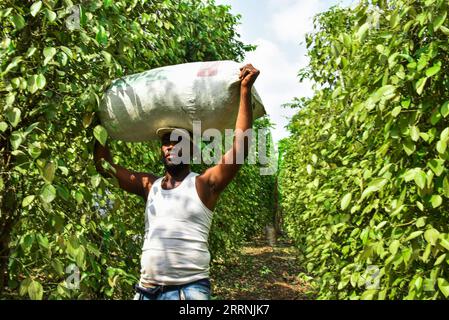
pixel 248 74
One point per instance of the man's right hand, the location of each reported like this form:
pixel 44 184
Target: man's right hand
pixel 100 153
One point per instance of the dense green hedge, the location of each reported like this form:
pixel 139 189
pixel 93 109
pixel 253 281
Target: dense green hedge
pixel 52 75
pixel 365 179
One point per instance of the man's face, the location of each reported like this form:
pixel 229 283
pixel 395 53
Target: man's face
pixel 171 151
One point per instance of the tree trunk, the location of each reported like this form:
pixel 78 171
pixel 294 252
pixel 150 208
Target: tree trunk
pixel 9 215
pixel 4 257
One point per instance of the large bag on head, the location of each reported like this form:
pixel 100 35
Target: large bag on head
pixel 136 106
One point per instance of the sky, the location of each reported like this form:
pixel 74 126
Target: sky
pixel 278 28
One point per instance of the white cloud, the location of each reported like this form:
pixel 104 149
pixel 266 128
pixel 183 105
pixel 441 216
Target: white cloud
pixel 278 82
pixel 278 27
pixel 293 19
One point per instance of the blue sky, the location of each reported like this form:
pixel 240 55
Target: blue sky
pixel 278 28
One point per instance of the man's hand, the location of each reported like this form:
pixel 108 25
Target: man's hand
pixel 248 74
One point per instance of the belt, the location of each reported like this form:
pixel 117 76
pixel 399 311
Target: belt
pixel 156 289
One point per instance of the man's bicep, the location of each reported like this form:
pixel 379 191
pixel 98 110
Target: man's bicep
pixel 134 182
pixel 221 175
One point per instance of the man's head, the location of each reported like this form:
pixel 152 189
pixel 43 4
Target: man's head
pixel 176 148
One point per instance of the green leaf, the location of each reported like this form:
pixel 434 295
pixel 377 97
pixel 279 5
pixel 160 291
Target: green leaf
pixel 421 222
pixel 101 36
pixel 43 241
pixel 444 243
pixel 80 256
pixel 35 290
pixel 427 252
pixel 107 56
pixel 27 200
pixel 437 166
pixel 48 193
pixel 436 201
pixel 41 81
pixel 444 30
pixel 49 172
pixel 24 284
pixel 67 51
pixel 444 135
pixel 34 150
pixel 440 260
pixel 101 134
pixel 368 294
pixel 431 236
pixel 58 266
pixel 436 117
pixel 18 21
pixel 394 246
pixel 443 285
pixel 50 15
pixel 3 126
pixel 414 235
pixel 13 115
pixel 439 20
pixel 434 69
pixel 107 3
pixel 49 53
pixel 32 85
pixel 420 84
pixel 374 186
pixel 414 133
pixel 30 52
pixel 446 187
pixel 35 8
pixel 362 31
pixel 384 93
pixel 409 147
pixel 396 111
pixel 16 140
pixel 441 146
pixel 346 201
pixel 95 180
pixel 445 109
pixel 31 127
pixel 420 178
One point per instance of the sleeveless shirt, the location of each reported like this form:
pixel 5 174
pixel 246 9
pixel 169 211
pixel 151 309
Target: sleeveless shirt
pixel 177 224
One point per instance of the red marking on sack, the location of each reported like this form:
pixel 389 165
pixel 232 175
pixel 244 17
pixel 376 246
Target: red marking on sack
pixel 208 71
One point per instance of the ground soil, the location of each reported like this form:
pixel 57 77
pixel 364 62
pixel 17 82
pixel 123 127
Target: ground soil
pixel 261 272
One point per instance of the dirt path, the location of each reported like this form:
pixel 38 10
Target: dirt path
pixel 261 272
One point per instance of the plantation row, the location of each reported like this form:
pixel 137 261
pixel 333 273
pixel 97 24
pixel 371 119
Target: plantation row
pixel 57 214
pixel 365 179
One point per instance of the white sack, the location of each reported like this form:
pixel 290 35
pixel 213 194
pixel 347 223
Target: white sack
pixel 134 107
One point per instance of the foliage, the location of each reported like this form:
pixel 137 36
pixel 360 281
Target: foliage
pixel 56 59
pixel 365 179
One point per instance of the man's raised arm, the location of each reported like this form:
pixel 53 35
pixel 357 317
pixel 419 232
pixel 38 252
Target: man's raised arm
pixel 135 182
pixel 219 176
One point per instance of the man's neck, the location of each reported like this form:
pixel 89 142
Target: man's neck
pixel 177 175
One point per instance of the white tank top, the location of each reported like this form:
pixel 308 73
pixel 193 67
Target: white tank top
pixel 177 224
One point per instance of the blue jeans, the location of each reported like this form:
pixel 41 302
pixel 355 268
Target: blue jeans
pixel 197 290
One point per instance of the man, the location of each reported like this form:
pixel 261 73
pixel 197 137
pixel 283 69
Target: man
pixel 175 256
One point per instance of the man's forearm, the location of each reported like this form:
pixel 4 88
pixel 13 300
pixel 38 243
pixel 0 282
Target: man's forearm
pixel 100 153
pixel 244 122
pixel 245 116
